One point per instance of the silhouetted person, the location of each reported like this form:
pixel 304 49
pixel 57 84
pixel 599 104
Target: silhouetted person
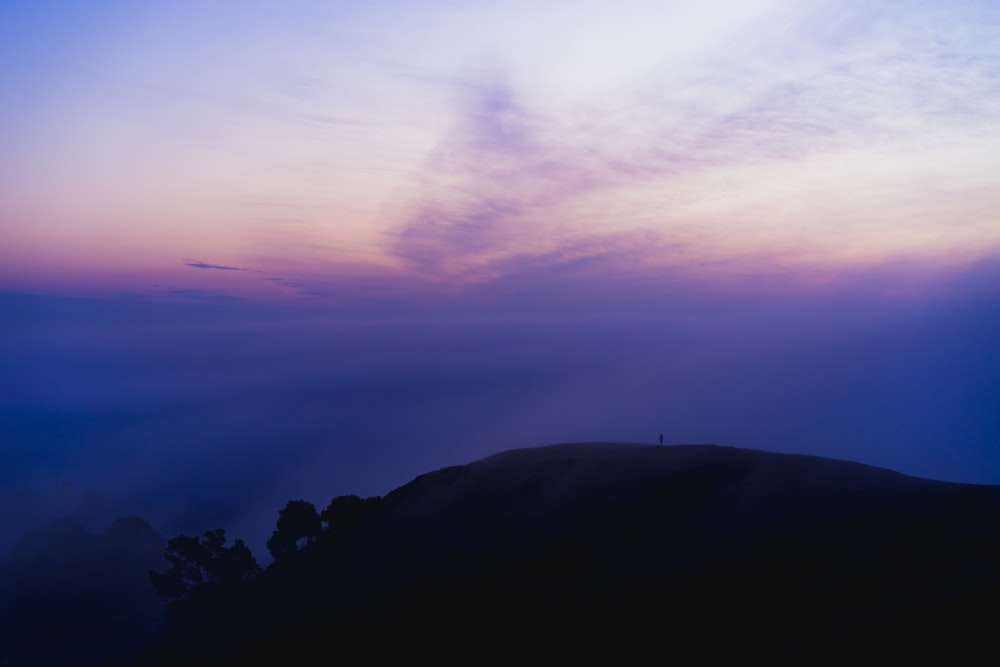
pixel 661 439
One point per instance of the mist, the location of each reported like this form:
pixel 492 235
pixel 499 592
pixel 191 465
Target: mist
pixel 203 415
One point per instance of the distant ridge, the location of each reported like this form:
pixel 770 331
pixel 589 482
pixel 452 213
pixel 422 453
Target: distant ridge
pixel 583 549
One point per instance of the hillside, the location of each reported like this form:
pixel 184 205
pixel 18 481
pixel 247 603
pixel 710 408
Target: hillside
pixel 622 549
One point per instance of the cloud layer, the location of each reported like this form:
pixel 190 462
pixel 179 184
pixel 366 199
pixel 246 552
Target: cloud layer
pixel 208 413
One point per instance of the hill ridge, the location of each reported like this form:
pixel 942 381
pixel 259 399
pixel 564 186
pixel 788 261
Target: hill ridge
pixel 588 540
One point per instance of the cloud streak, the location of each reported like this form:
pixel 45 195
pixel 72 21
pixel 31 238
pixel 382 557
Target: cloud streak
pixel 218 267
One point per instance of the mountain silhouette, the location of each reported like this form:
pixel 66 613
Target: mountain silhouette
pixel 615 550
pixel 70 596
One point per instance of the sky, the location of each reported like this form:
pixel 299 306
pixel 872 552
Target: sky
pixel 256 251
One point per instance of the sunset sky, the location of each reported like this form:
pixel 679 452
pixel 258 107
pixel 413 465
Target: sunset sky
pixel 650 208
pixel 330 150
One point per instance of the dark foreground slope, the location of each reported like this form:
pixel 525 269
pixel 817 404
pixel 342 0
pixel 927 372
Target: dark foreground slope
pixel 575 550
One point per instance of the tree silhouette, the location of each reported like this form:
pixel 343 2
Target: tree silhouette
pixel 296 523
pixel 345 511
pixel 195 562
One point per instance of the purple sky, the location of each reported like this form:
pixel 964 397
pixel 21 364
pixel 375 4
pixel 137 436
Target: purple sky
pixel 300 249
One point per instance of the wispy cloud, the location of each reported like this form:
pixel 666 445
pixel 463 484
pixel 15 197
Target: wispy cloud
pixel 702 161
pixel 490 182
pixel 204 265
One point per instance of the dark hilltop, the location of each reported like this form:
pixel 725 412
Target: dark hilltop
pixel 621 551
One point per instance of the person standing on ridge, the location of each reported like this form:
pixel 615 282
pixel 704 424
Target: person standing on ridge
pixel 661 439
